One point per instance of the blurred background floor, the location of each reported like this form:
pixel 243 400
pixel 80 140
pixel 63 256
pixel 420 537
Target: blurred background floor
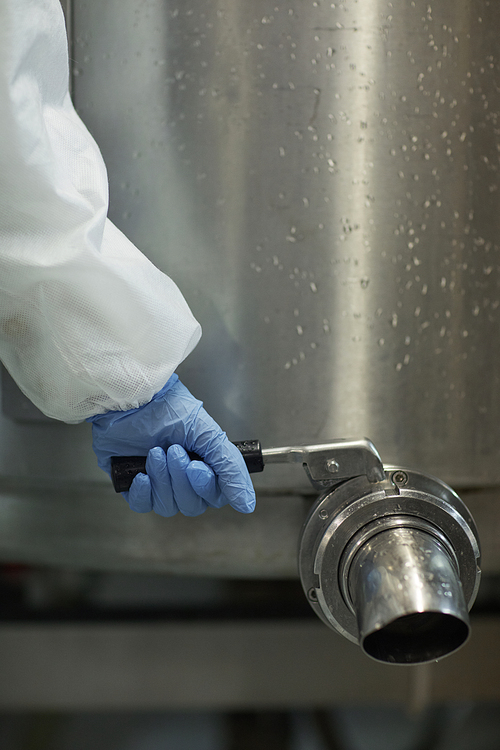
pixel 446 727
pixel 372 716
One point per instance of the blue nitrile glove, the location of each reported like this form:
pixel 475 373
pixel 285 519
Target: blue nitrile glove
pixel 172 423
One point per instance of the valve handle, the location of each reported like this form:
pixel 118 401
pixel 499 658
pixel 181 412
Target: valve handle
pixel 125 468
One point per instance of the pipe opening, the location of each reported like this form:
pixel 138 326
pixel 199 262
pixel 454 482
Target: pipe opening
pixel 417 638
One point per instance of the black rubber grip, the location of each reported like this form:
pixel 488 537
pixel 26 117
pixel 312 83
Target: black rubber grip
pixel 125 468
pixel 251 451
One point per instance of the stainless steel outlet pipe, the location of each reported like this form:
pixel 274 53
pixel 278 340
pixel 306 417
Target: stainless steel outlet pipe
pixel 405 587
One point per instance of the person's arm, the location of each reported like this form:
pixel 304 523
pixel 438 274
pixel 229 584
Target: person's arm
pixel 87 323
pixel 89 328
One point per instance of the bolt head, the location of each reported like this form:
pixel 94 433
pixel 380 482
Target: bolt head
pixel 399 477
pixel 313 597
pixel 332 466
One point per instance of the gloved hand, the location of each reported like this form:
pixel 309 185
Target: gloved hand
pixel 175 422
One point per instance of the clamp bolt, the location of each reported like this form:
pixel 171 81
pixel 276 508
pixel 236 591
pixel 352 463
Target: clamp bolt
pixel 313 597
pixel 332 466
pixel 399 477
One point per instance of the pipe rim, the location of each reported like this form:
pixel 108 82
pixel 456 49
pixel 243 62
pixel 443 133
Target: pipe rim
pixel 395 643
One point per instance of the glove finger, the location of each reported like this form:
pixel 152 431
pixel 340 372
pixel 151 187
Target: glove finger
pixel 204 483
pixel 161 487
pixel 188 502
pixel 212 445
pixel 139 495
pixel 201 434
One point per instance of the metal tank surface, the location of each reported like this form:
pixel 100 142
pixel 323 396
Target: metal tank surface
pixel 321 180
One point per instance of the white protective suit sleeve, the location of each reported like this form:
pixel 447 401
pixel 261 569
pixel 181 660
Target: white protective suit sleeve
pixel 87 323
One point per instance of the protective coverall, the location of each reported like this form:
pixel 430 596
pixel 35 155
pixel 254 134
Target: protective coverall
pixel 89 327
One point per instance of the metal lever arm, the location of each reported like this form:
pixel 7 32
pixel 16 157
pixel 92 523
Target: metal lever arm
pixel 327 464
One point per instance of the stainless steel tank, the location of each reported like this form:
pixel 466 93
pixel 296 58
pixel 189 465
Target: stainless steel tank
pixel 321 180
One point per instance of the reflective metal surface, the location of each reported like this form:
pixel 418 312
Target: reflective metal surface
pixel 321 181
pixel 91 528
pixel 392 565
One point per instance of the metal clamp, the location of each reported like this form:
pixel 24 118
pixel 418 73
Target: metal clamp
pixel 328 464
pixel 392 565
